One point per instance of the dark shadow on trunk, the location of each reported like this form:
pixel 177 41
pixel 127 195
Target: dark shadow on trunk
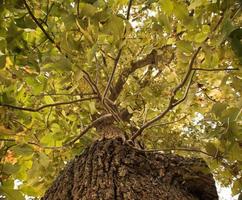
pixel 112 170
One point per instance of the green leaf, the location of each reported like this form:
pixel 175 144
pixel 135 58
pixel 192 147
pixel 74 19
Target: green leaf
pixel 23 150
pixel 237 186
pixel 235 152
pixel 211 149
pixel 2 61
pixel 184 46
pixel 197 3
pixel 25 22
pixel 12 194
pixel 44 160
pixel 166 6
pixel 114 26
pixel 87 9
pixel 201 36
pixel 10 168
pixel 218 108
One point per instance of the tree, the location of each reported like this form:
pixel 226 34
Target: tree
pixel 163 75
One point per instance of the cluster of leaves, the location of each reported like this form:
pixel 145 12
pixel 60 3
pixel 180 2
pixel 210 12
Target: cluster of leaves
pixel 62 62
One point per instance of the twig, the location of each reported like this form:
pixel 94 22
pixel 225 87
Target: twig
pixel 62 94
pixel 47 105
pixel 167 123
pixel 180 149
pixel 219 69
pixel 211 99
pixel 35 144
pixel 129 8
pixel 83 132
pixel 78 8
pixel 40 26
pixel 112 74
pixel 186 92
pixel 93 124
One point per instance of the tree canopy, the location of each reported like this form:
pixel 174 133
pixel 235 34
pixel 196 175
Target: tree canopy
pixel 166 71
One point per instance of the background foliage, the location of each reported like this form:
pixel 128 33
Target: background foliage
pixel 64 61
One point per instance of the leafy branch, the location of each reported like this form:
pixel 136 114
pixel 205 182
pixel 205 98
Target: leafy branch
pixel 70 143
pixel 117 57
pixel 47 105
pixel 182 149
pixel 173 102
pixel 91 125
pixel 219 69
pixel 40 26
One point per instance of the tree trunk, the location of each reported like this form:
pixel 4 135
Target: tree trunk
pixel 111 170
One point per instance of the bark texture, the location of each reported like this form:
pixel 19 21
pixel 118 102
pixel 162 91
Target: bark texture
pixel 111 170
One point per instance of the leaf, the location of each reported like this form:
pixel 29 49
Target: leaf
pixel 197 3
pixel 114 26
pixel 12 194
pixel 202 35
pixel 48 100
pixel 25 22
pixel 44 160
pixel 218 108
pixel 237 186
pixel 23 150
pixel 235 152
pixel 211 149
pixel 166 6
pixel 184 46
pixel 10 168
pixel 2 61
pixel 87 9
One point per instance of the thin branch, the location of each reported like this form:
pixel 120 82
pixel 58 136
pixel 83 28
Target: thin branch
pixel 40 26
pixel 168 123
pixel 47 105
pixel 172 103
pixel 112 74
pixel 93 124
pixel 219 69
pixel 35 144
pixel 211 99
pixel 117 57
pixel 78 8
pixel 186 92
pixel 179 86
pixel 129 8
pixel 180 149
pixel 62 94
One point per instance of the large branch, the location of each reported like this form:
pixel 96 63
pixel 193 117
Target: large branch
pixel 47 105
pixel 151 58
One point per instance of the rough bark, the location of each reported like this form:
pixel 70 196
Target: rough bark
pixel 111 170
